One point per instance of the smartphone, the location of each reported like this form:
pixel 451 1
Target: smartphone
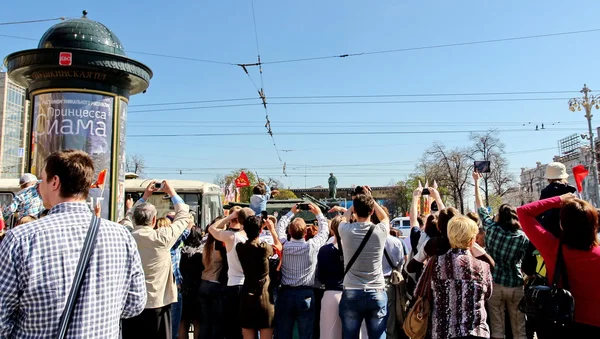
pixel 482 166
pixel 304 207
pixel 158 185
pixel 264 215
pixel 425 191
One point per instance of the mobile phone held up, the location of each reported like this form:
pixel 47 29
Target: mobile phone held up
pixel 482 166
pixel 304 207
pixel 264 215
pixel 158 185
pixel 425 192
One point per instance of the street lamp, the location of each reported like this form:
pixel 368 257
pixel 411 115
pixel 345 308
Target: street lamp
pixel 587 102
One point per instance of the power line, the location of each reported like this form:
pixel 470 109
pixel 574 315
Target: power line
pixel 354 102
pixel 356 96
pixel 347 55
pixel 341 133
pixel 184 58
pixel 17 37
pixel 29 21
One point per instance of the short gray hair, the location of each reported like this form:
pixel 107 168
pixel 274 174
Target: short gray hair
pixel 143 214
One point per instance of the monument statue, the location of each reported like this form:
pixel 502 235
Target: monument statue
pixel 332 186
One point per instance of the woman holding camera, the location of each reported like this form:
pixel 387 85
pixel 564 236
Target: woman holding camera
pixel 581 253
pixel 257 311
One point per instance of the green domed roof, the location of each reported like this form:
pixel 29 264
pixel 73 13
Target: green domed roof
pixel 82 33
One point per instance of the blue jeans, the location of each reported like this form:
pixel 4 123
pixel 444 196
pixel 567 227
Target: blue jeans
pixel 176 315
pixel 359 305
pixel 295 305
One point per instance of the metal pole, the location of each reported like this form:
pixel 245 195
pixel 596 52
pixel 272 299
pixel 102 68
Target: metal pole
pixel 593 154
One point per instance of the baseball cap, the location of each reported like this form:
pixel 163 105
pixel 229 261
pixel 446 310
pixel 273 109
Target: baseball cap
pixel 27 178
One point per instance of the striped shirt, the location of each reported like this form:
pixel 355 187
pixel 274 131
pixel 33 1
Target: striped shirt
pixel 38 263
pixel 300 256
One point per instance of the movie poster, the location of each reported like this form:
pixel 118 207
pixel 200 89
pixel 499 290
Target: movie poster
pixel 69 120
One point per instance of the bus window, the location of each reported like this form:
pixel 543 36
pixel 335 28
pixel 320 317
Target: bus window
pixel 5 199
pixel 163 206
pixel 192 200
pixel 211 208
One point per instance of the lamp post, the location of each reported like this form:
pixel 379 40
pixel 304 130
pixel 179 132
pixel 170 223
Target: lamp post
pixel 588 101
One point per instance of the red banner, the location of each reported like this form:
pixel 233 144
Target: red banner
pixel 242 180
pixel 579 173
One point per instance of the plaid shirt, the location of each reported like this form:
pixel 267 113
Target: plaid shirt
pixel 507 248
pixel 176 256
pixel 26 202
pixel 38 264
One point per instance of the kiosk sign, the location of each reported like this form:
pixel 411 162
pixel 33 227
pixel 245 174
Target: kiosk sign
pixel 65 59
pixel 81 121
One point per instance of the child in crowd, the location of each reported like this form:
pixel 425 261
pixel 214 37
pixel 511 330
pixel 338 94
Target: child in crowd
pixel 261 194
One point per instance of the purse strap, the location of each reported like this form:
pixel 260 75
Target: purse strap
pixel 360 248
pixel 425 290
pixel 84 259
pixel 387 257
pixel 560 271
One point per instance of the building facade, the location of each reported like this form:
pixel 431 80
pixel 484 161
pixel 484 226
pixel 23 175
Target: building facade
pixel 13 126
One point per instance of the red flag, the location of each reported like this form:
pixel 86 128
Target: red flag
pixel 242 180
pixel 579 173
pixel 101 179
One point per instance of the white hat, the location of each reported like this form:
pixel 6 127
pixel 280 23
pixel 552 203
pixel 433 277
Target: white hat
pixel 27 178
pixel 556 170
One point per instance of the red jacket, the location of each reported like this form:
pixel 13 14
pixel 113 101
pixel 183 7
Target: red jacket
pixel 583 267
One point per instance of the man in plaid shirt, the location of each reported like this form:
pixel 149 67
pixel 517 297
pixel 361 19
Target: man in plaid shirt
pixel 506 243
pixel 27 201
pixel 39 260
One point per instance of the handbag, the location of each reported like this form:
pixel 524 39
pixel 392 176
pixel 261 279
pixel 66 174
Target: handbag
pixel 84 260
pixel 399 283
pixel 550 303
pixel 417 320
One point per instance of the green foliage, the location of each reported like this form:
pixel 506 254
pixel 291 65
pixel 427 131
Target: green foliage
pixel 285 195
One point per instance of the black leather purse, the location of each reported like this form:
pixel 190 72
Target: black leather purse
pixel 550 303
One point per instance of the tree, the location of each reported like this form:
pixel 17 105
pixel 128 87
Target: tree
pixel 488 147
pixel 226 180
pixel 135 163
pixel 451 168
pixel 285 195
pixel 273 183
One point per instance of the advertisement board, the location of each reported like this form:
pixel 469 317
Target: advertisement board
pixel 72 120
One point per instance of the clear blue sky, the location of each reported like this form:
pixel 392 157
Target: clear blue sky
pixel 223 30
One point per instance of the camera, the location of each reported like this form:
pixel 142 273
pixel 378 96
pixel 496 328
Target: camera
pixel 304 207
pixel 158 185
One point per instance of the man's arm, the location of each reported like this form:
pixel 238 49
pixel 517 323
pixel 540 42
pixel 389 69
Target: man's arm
pixel 437 197
pixel 478 200
pixel 150 189
pixel 414 207
pixel 135 301
pixel 169 235
pixel 276 242
pixel 383 217
pixel 284 222
pixel 321 238
pixel 9 280
pixel 219 232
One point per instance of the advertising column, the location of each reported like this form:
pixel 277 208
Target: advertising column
pixel 81 121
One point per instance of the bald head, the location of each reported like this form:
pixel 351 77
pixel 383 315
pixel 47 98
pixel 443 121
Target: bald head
pixel 297 229
pixel 243 214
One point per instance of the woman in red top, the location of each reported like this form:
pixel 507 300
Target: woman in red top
pixel 579 227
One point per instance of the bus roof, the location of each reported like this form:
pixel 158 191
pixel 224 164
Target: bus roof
pixel 136 185
pixel 181 186
pixel 11 185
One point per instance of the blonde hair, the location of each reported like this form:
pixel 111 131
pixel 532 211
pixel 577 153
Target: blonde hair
pixel 462 232
pixel 163 222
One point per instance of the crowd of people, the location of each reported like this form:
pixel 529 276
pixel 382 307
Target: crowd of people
pixel 251 275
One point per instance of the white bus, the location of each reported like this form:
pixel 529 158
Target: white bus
pixel 203 198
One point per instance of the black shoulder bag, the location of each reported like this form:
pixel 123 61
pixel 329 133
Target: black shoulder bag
pixel 550 303
pixel 358 250
pixel 84 260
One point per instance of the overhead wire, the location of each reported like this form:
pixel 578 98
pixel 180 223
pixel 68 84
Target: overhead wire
pixel 355 97
pixel 29 21
pixel 343 133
